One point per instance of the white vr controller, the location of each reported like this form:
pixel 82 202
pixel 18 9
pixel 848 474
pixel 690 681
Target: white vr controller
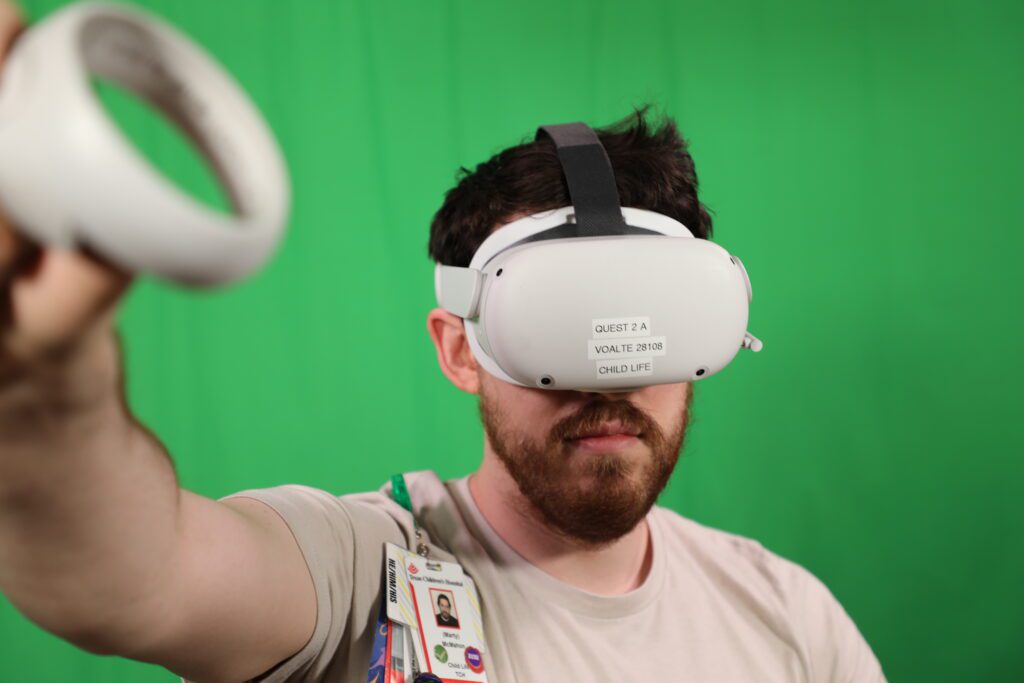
pixel 70 178
pixel 595 297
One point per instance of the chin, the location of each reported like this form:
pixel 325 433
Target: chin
pixel 610 472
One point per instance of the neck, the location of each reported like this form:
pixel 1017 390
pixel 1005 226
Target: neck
pixel 613 569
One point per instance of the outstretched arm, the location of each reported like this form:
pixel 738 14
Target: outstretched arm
pixel 98 544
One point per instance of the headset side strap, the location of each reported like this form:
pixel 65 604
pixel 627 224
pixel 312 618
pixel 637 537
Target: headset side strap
pixel 458 289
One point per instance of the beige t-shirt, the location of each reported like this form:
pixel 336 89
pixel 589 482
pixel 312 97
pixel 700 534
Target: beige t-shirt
pixel 715 607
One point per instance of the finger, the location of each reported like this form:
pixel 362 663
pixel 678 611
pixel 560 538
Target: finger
pixel 10 26
pixel 70 287
pixel 17 254
pixel 11 246
pixel 68 294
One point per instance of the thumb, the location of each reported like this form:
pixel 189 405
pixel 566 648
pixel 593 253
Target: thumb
pixel 64 297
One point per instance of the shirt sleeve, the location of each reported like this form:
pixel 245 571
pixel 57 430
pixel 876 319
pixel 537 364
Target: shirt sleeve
pixel 837 651
pixel 342 544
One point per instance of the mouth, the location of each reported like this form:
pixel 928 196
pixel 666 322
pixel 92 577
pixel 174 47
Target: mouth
pixel 607 437
pixel 614 428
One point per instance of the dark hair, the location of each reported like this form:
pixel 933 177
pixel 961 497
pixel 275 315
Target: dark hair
pixel 446 599
pixel 653 171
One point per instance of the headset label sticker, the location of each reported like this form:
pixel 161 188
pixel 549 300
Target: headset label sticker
pixel 599 349
pixel 612 328
pixel 636 367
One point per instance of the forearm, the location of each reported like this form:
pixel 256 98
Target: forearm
pixel 88 501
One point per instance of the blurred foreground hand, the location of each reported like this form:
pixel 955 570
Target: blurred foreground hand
pixel 52 301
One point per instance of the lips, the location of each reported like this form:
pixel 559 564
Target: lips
pixel 615 428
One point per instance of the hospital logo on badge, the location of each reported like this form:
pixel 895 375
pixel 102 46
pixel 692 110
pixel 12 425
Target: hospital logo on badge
pixel 474 660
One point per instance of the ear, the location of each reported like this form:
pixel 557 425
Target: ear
pixel 453 353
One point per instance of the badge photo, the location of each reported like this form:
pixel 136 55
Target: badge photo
pixel 445 612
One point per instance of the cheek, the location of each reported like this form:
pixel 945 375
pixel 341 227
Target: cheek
pixel 666 403
pixel 525 409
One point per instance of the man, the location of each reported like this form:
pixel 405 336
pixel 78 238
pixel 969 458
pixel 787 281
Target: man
pixel 444 612
pixel 580 576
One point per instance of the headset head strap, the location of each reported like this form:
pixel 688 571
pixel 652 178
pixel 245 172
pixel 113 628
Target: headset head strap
pixel 588 173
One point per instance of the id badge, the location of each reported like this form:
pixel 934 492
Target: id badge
pixel 439 606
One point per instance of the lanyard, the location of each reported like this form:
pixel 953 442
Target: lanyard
pixel 400 492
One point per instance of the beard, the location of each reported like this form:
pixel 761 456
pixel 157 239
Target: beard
pixel 590 499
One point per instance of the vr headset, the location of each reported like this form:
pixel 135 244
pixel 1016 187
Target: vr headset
pixel 596 297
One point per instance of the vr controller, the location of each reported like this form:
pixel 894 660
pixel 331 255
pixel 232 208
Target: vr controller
pixel 70 178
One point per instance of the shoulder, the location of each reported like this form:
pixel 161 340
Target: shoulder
pixel 426 491
pixel 783 592
pixel 716 551
pixel 320 512
pixel 316 516
pixel 340 538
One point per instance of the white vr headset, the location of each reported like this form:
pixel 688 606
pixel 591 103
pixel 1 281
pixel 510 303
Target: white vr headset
pixel 595 297
pixel 70 178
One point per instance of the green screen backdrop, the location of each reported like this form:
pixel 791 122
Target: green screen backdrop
pixel 863 158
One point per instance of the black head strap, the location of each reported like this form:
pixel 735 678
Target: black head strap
pixel 588 172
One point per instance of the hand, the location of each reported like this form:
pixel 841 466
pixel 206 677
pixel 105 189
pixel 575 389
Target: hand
pixel 51 301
